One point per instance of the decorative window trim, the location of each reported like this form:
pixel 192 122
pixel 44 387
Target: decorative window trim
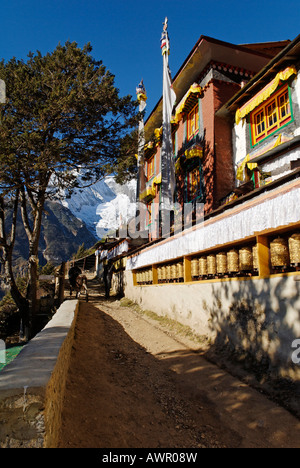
pixel 189 198
pixel 264 94
pixel 268 118
pixel 187 102
pixel 193 123
pixel 151 167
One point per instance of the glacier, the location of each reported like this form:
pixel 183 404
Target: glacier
pixel 104 205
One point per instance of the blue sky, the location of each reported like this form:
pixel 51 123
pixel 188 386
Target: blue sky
pixel 125 34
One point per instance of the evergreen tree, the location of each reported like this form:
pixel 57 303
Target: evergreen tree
pixel 126 167
pixel 63 117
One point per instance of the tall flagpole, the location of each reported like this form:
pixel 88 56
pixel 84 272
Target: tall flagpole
pixel 167 158
pixel 141 177
pixel 141 182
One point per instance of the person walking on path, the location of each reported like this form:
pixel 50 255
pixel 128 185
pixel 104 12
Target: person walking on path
pixel 107 277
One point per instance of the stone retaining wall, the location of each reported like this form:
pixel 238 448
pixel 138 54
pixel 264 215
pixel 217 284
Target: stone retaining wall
pixel 32 386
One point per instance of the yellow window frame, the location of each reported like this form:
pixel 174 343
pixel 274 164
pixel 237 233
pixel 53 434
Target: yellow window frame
pixel 271 115
pixel 193 121
pixel 150 167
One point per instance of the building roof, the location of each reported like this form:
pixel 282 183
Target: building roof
pixel 270 48
pixel 207 49
pixel 284 58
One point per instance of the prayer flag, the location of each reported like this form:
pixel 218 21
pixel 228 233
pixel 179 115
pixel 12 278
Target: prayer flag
pixel 167 157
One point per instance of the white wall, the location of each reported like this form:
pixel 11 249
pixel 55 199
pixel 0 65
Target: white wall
pixel 239 142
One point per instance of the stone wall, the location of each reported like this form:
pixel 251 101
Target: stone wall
pixel 32 386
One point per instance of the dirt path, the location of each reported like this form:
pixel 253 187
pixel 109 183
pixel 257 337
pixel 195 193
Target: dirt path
pixel 132 385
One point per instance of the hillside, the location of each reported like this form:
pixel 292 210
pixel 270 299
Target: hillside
pixel 86 217
pixel 62 234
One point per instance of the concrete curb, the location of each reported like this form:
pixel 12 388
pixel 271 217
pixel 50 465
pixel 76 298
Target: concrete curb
pixel 32 386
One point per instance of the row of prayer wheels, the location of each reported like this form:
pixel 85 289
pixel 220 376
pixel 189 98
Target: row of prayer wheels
pixel 285 252
pixel 144 276
pixel 170 273
pixel 232 262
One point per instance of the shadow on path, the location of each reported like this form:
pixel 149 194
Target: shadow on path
pixel 130 385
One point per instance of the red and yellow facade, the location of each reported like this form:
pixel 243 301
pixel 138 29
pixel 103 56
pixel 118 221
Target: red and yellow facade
pixel 236 145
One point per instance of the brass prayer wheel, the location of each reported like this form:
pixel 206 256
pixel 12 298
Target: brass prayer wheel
pixel 180 270
pixel 168 272
pixel 255 258
pixel 211 265
pixel 221 263
pixel 174 271
pixel 233 261
pixel 195 267
pixel 164 273
pixel 245 259
pixel 150 276
pixel 279 253
pixel 203 266
pixel 294 248
pixel 159 274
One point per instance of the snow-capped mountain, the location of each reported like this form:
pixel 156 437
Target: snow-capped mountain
pixel 104 205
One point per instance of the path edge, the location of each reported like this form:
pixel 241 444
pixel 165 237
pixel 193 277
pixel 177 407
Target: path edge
pixel 32 386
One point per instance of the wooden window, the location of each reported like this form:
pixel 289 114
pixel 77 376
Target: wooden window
pixel 151 167
pixel 270 116
pixel 259 124
pixel 193 122
pixel 284 105
pixel 193 184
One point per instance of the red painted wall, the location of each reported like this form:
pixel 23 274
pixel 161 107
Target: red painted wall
pixel 218 159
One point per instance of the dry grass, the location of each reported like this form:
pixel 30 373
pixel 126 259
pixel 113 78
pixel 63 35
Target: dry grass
pixel 170 325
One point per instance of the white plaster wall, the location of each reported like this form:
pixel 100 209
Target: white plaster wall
pixel 266 213
pixel 239 142
pixel 296 99
pixel 276 166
